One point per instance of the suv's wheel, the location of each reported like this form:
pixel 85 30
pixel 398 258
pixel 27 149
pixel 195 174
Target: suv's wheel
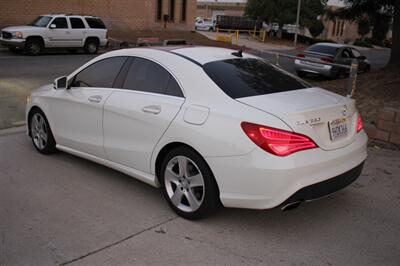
pixel 41 134
pixel 188 184
pixel 33 46
pixel 91 46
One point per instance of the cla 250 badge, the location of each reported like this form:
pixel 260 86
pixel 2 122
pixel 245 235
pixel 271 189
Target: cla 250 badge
pixel 310 121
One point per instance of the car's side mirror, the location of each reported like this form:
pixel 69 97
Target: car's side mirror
pixel 60 83
pixel 53 26
pixel 361 57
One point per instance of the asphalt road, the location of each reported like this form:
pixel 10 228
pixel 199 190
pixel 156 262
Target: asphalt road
pixel 20 74
pixel 63 210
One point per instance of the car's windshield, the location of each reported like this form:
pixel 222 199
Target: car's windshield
pixel 40 21
pixel 251 77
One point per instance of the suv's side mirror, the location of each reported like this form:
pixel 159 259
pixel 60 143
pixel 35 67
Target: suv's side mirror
pixel 362 57
pixel 60 83
pixel 53 26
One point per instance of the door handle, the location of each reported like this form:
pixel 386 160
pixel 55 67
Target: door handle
pixel 95 98
pixel 152 109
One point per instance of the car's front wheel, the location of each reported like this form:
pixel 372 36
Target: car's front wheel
pixel 33 46
pixel 40 132
pixel 188 184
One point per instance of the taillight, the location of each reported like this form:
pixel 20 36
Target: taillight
pixel 301 55
pixel 277 141
pixel 327 59
pixel 359 124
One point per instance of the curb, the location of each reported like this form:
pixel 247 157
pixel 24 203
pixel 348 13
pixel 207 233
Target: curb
pixel 12 130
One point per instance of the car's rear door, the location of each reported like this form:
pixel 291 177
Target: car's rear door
pixel 137 115
pixel 78 32
pixel 77 113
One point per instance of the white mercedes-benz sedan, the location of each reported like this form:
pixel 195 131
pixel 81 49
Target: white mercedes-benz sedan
pixel 210 126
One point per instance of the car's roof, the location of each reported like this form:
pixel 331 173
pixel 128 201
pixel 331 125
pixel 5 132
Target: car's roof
pixel 68 15
pixel 203 54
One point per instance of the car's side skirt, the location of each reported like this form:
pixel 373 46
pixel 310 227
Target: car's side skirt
pixel 142 176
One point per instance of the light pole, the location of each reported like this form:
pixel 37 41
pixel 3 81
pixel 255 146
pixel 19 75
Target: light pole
pixel 297 22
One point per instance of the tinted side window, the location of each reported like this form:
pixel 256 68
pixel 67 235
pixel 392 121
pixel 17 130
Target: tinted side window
pixel 323 49
pixel 76 23
pixel 250 77
pixel 95 23
pixel 100 74
pixel 145 75
pixel 61 23
pixel 173 88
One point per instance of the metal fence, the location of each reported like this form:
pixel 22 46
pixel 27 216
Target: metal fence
pixel 353 68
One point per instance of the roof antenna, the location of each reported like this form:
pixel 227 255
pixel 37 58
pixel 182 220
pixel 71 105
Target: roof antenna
pixel 238 53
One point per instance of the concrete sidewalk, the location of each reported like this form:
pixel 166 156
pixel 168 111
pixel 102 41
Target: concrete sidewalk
pixel 64 210
pixel 249 43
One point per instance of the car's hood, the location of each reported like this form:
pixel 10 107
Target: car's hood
pixel 310 112
pixel 19 28
pixel 43 89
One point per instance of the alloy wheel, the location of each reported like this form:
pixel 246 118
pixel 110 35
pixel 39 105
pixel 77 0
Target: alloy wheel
pixel 184 184
pixel 39 131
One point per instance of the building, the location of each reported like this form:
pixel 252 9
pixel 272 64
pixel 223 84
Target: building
pixel 212 8
pixel 339 30
pixel 117 14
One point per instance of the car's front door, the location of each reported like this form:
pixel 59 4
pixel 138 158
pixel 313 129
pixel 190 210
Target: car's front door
pixel 137 115
pixel 58 33
pixel 78 32
pixel 77 113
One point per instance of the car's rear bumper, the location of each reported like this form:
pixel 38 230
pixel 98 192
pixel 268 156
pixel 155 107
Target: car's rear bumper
pixel 13 43
pixel 320 69
pixel 326 187
pixel 260 180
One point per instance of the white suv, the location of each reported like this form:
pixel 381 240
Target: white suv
pixel 56 31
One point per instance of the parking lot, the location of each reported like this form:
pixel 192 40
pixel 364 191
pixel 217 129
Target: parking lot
pixel 64 210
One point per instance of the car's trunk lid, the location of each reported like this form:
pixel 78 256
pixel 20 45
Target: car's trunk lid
pixel 314 112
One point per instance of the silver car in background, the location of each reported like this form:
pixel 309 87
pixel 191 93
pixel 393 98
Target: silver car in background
pixel 329 53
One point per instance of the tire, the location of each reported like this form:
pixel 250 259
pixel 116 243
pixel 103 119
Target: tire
pixel 40 132
pixel 33 47
pixel 194 193
pixel 91 46
pixel 367 69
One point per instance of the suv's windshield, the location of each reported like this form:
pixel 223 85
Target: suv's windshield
pixel 251 77
pixel 41 21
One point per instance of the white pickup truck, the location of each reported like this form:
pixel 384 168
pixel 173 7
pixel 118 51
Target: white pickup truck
pixel 56 31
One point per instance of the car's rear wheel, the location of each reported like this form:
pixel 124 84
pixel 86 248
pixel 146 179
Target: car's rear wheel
pixel 188 184
pixel 33 46
pixel 40 132
pixel 91 46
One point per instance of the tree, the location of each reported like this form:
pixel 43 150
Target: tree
pixel 363 27
pixel 284 11
pixel 380 13
pixel 316 28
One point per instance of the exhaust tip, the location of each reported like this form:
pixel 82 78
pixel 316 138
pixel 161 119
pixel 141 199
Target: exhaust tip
pixel 291 206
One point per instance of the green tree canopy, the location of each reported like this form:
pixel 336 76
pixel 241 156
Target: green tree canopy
pixel 284 11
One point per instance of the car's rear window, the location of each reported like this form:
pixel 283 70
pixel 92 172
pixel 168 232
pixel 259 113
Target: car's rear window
pixel 251 77
pixel 322 49
pixel 95 23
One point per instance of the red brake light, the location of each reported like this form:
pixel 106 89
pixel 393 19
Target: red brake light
pixel 359 124
pixel 301 55
pixel 327 59
pixel 277 141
